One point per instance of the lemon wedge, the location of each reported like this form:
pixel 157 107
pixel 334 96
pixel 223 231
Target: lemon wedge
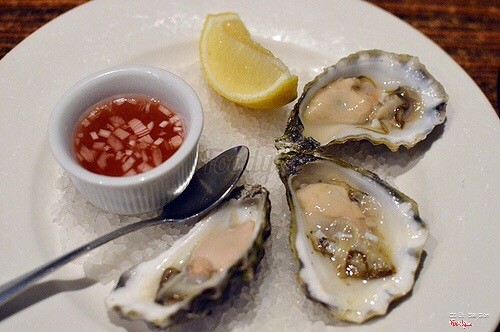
pixel 240 69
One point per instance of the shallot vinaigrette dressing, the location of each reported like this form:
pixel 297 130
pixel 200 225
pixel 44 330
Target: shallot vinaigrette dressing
pixel 126 135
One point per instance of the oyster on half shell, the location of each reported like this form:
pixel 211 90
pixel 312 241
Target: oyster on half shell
pixel 359 241
pixel 373 95
pixel 220 250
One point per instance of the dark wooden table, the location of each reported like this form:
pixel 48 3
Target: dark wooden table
pixel 469 30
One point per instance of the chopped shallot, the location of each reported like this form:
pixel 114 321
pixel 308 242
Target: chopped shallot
pixel 87 154
pixel 117 121
pixel 147 139
pixel 143 167
pixel 143 145
pixel 128 164
pixel 115 143
pixel 138 127
pixel 98 145
pixel 130 172
pixel 164 110
pixel 119 155
pixel 119 101
pixel 176 141
pixel 158 141
pixel 174 119
pixel 144 156
pixel 102 160
pixel 121 133
pixel 157 157
pixel 104 133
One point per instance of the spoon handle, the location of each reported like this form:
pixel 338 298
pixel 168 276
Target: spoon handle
pixel 10 289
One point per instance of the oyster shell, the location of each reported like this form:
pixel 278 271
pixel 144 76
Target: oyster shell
pixel 359 241
pixel 373 95
pixel 222 249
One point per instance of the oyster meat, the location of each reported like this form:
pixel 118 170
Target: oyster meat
pixel 359 241
pixel 220 250
pixel 373 95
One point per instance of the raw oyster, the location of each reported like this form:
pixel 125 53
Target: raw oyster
pixel 359 241
pixel 219 251
pixel 373 95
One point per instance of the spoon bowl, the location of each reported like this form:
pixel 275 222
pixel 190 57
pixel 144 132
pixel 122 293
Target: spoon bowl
pixel 209 185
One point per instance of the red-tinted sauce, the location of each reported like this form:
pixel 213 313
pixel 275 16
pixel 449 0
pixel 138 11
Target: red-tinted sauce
pixel 127 135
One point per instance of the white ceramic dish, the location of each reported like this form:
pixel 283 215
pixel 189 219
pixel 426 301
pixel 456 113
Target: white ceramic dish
pixel 147 191
pixel 455 182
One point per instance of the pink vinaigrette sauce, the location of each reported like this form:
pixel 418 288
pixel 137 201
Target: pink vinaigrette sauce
pixel 126 135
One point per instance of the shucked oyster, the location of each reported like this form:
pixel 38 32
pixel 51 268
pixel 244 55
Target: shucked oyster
pixel 382 97
pixel 359 241
pixel 221 249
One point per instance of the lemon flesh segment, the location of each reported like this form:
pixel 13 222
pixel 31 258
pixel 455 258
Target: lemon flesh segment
pixel 240 69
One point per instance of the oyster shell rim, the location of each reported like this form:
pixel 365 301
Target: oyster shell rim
pixel 242 271
pixel 294 139
pixel 289 164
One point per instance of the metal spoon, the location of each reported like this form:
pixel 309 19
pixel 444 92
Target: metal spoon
pixel 209 186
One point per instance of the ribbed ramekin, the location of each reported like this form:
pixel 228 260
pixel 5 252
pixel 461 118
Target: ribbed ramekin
pixel 146 191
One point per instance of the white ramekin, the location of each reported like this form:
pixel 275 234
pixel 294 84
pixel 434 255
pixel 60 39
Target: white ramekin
pixel 147 191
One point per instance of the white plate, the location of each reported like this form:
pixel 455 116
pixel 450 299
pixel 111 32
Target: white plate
pixel 455 182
